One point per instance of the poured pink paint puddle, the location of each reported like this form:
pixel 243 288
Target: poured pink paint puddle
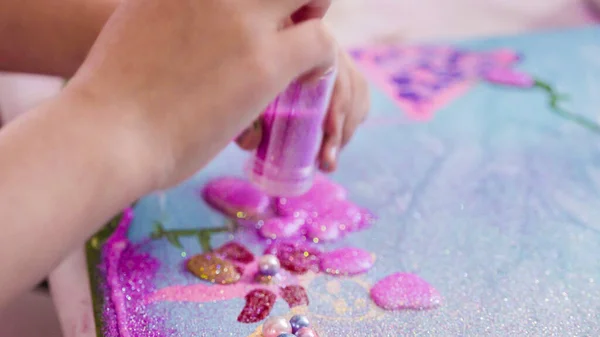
pixel 347 262
pixel 323 229
pixel 323 193
pixel 322 214
pixel 405 291
pixel 284 227
pixel 235 197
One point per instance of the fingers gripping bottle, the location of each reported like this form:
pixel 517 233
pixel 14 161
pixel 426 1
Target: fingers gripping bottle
pixel 285 162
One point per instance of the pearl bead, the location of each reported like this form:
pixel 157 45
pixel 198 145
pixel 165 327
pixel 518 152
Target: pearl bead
pixel 275 326
pixel 269 265
pixel 298 322
pixel 306 332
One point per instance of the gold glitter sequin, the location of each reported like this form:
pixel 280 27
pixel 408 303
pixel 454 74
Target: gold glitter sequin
pixel 210 267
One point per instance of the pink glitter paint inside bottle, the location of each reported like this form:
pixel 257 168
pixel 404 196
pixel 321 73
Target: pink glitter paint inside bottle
pixel 285 162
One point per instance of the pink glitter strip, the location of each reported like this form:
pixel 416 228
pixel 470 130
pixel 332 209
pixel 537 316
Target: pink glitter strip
pixel 113 248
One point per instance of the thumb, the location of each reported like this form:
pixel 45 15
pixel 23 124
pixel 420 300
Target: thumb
pixel 250 138
pixel 305 48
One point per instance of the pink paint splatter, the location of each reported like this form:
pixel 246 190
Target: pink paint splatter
pixel 296 256
pixel 235 252
pixel 347 261
pixel 284 227
pixel 405 291
pixel 129 276
pixel 235 197
pixel 259 303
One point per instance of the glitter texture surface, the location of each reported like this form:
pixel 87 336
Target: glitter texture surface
pixel 405 291
pixel 129 276
pixel 347 261
pixel 494 201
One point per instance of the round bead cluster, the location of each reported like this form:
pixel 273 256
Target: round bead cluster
pixel 297 326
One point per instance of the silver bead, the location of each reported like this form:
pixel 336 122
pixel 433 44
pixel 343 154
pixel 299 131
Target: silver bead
pixel 269 265
pixel 298 322
pixel 275 326
pixel 306 332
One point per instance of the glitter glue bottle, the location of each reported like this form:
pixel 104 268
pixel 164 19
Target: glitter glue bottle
pixel 285 162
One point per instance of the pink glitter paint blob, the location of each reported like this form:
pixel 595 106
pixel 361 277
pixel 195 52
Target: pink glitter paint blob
pixel 283 227
pixel 235 252
pixel 129 276
pixel 347 262
pixel 405 291
pixel 323 229
pixel 235 197
pixel 296 257
pixel 509 77
pixel 323 193
pixel 294 295
pixel 259 303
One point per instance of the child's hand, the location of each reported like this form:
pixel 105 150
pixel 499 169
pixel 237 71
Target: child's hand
pixel 348 108
pixel 201 72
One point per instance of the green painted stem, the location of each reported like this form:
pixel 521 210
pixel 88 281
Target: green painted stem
pixel 204 235
pixel 555 98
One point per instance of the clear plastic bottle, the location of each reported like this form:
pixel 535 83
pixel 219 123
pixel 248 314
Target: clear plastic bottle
pixel 285 162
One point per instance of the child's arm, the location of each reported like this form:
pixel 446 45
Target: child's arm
pixel 166 86
pixel 63 172
pixel 50 37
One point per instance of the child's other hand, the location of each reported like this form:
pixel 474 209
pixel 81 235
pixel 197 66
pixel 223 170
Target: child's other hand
pixel 348 108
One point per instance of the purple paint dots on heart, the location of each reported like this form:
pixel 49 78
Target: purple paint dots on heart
pixel 405 291
pixel 235 197
pixel 347 262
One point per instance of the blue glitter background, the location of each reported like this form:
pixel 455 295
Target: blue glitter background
pixel 495 202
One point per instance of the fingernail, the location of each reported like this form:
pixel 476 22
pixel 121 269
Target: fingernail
pixel 333 153
pixel 242 134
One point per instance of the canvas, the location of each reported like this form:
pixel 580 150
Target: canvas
pixel 480 161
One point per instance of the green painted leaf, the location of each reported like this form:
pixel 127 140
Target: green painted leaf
pixel 174 240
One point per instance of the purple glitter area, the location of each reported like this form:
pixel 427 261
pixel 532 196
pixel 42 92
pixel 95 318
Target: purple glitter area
pixel 128 281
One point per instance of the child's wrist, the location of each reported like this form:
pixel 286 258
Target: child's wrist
pixel 115 132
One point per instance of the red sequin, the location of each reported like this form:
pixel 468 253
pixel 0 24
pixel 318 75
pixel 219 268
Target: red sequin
pixel 259 303
pixel 234 251
pixel 294 295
